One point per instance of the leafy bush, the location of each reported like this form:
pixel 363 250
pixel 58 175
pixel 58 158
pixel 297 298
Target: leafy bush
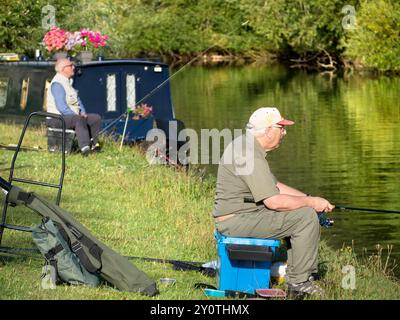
pixel 21 29
pixel 299 27
pixel 375 41
pixel 175 28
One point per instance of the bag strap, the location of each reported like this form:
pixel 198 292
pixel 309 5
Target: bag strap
pixel 76 246
pixel 53 251
pixel 51 260
pixel 25 197
pixel 94 249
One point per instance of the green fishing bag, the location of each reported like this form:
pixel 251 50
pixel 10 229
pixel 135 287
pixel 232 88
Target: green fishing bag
pixel 55 246
pixel 94 256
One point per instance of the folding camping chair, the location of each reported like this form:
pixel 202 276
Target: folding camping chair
pixel 11 179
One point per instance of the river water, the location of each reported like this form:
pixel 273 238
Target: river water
pixel 344 146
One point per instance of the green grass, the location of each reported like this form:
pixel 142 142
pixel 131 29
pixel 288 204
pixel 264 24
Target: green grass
pixel 147 211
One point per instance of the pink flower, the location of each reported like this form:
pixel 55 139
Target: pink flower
pixel 56 38
pixel 142 111
pixel 92 38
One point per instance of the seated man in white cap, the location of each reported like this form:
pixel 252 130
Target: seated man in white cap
pixel 251 202
pixel 63 99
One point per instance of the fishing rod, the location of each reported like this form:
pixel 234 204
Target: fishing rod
pixel 168 79
pixel 126 113
pixel 342 207
pixel 178 265
pixel 181 265
pixel 13 147
pixel 32 253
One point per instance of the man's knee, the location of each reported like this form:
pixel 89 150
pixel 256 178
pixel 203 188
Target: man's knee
pixel 96 117
pixel 309 215
pixel 80 122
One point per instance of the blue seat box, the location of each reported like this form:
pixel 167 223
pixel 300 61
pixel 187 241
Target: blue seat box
pixel 244 264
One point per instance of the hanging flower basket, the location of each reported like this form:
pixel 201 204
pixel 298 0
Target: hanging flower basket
pixel 83 43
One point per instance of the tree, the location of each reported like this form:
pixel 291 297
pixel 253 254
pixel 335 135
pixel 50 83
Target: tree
pixel 22 24
pixel 297 27
pixel 376 40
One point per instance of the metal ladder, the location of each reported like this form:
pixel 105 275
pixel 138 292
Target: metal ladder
pixel 11 179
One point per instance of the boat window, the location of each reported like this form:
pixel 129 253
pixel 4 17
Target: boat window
pixel 111 93
pixel 24 93
pixel 130 90
pixel 46 89
pixel 3 91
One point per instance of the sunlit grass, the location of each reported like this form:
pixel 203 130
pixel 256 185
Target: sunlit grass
pixel 142 210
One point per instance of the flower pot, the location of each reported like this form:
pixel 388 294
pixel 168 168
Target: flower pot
pixel 85 56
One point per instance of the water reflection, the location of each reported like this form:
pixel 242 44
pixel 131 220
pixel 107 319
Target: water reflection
pixel 344 145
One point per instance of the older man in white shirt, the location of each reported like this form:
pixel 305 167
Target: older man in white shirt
pixel 63 99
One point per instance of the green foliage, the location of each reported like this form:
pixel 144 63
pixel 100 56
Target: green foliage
pixel 182 27
pixel 105 16
pixel 186 27
pixel 290 29
pixel 375 41
pixel 297 26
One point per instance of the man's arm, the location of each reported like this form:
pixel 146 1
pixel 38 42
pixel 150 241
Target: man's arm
pixel 292 199
pixel 284 202
pixel 61 102
pixel 82 108
pixel 284 189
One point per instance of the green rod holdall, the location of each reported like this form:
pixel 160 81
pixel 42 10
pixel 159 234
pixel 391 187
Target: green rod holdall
pixel 94 255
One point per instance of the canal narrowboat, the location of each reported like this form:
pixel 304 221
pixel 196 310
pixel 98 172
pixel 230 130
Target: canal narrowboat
pixel 107 87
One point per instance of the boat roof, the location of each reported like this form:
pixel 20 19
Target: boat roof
pixel 136 61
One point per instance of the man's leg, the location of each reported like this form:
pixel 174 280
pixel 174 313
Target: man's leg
pixel 79 124
pixel 94 123
pixel 303 254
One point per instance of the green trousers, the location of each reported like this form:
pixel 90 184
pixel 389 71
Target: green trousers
pixel 301 226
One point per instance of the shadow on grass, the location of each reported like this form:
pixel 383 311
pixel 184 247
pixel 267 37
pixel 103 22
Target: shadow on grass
pixel 322 270
pixel 7 258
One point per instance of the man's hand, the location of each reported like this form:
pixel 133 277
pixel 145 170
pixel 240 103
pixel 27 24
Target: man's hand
pixel 320 204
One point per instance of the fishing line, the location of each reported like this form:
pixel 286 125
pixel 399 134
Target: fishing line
pixel 126 113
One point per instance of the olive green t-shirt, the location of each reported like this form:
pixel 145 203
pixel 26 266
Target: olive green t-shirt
pixel 245 175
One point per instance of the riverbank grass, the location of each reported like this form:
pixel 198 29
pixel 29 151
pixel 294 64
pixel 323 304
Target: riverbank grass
pixel 141 210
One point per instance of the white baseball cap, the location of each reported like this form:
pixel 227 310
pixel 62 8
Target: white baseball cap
pixel 266 117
